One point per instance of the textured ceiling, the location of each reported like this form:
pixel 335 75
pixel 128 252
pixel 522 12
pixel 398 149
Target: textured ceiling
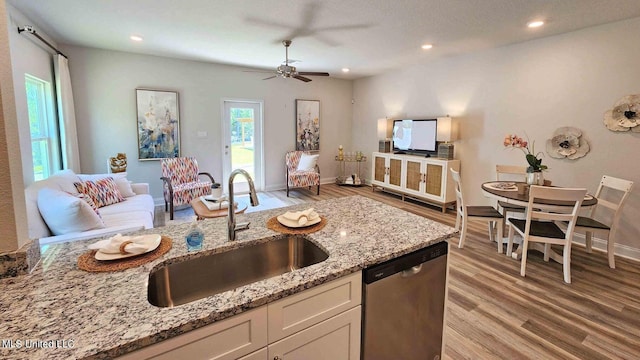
pixel 367 36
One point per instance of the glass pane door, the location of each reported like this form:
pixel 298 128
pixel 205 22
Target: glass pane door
pixel 242 143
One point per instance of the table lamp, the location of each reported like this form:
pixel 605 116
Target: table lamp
pixel 384 144
pixel 446 134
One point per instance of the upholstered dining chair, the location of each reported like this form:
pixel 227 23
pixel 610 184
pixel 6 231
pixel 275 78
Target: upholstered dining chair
pixel 542 227
pixel 465 213
pixel 589 225
pixel 181 182
pixel 302 170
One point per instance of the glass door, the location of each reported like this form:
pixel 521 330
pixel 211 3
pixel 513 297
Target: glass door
pixel 242 142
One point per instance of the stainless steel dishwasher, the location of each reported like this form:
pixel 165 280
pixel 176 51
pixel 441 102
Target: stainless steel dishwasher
pixel 403 310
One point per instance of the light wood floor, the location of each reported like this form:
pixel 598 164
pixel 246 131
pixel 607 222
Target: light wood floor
pixel 494 313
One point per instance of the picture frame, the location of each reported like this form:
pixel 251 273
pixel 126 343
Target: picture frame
pixel 307 125
pixel 158 124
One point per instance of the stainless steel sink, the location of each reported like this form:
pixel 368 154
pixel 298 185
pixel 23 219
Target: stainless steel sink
pixel 194 279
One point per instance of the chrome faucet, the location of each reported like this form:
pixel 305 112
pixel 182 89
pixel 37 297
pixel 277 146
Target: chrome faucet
pixel 232 211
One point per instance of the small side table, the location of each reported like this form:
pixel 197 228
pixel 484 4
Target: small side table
pixel 345 165
pixel 203 212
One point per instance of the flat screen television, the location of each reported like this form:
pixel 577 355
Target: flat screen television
pixel 415 136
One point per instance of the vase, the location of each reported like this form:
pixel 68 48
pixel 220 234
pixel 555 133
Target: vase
pixel 535 178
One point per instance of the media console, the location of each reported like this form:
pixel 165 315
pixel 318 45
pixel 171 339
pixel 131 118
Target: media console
pixel 414 176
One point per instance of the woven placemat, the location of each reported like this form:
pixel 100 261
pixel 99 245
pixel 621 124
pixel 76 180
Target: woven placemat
pixel 275 225
pixel 88 262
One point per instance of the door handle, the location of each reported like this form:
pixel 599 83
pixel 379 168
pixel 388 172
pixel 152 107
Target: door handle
pixel 410 272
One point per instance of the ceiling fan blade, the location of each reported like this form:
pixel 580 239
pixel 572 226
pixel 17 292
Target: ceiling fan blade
pixel 313 73
pixel 270 77
pixel 301 78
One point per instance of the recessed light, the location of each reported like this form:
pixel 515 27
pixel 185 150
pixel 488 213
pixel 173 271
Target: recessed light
pixel 535 24
pixel 345 70
pixel 135 38
pixel 427 46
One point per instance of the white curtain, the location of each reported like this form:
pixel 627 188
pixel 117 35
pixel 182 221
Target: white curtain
pixel 66 115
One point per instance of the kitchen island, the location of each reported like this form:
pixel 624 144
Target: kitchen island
pixel 104 315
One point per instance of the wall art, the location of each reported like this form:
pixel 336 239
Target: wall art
pixel 307 125
pixel 567 142
pixel 158 124
pixel 625 115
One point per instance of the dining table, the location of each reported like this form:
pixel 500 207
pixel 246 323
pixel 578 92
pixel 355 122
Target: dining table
pixel 508 191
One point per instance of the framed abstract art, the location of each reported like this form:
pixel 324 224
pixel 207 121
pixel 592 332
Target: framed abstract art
pixel 158 117
pixel 307 125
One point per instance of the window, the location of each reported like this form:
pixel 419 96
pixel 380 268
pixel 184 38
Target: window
pixel 43 129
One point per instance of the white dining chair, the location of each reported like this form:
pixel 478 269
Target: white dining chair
pixel 541 227
pixel 465 213
pixel 515 173
pixel 589 225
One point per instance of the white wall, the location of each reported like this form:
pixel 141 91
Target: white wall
pixel 104 84
pixel 533 87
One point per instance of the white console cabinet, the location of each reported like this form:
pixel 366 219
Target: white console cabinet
pixel 320 323
pixel 426 179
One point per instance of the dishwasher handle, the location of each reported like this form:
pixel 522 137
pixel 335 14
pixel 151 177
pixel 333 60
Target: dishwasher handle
pixel 411 271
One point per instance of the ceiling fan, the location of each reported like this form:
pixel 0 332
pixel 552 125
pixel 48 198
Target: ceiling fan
pixel 288 71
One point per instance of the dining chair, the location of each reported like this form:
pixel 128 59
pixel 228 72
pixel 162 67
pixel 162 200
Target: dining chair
pixel 465 213
pixel 541 227
pixel 589 225
pixel 505 173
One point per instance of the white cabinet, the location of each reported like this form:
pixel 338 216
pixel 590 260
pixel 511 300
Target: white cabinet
pixel 312 324
pixel 224 340
pixel 426 179
pixel 335 338
pixel 262 354
pixel 387 171
pixel 299 311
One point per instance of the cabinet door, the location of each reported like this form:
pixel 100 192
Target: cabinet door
pixel 262 354
pixel 227 339
pixel 395 172
pixel 379 168
pixel 434 180
pixel 297 312
pixel 335 338
pixel 413 175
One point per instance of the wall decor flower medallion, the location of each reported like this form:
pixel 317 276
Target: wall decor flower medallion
pixel 625 115
pixel 567 142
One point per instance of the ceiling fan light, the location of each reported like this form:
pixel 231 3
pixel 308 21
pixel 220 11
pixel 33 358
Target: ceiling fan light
pixel 427 46
pixel 345 70
pixel 137 38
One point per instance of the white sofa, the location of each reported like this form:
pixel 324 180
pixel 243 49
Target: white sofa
pixel 135 213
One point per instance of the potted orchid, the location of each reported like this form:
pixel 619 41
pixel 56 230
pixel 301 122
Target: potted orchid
pixel 534 171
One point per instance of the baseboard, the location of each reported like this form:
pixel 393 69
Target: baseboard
pixel 598 244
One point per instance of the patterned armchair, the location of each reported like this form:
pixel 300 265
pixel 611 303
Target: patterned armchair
pixel 181 183
pixel 300 177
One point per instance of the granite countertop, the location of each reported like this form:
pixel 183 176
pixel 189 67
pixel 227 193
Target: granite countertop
pixel 78 315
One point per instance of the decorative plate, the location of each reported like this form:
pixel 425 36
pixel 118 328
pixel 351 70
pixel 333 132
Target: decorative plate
pixel 151 241
pixel 504 186
pixel 294 224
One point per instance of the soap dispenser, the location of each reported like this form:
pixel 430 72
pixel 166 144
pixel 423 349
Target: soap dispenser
pixel 195 237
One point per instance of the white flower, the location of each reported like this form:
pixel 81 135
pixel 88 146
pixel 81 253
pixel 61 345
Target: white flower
pixel 625 115
pixel 567 142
